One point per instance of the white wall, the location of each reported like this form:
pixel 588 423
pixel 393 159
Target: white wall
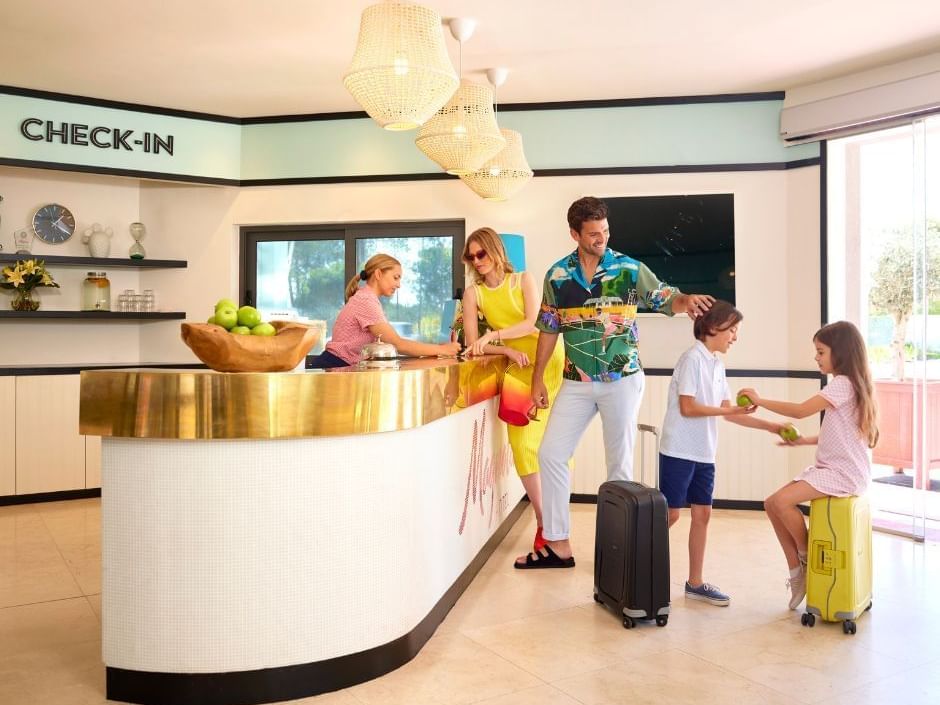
pixel 776 264
pixel 776 223
pixel 110 201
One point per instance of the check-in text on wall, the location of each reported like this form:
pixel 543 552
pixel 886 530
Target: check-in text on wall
pixel 100 136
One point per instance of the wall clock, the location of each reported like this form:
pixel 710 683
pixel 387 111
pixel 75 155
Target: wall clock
pixel 54 223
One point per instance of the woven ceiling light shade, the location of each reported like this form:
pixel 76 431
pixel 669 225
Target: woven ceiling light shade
pixel 401 73
pixel 503 175
pixel 463 134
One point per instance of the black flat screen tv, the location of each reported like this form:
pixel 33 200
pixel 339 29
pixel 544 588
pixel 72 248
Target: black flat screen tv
pixel 688 241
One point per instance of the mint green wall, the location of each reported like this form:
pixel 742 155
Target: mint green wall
pixel 663 135
pixel 655 135
pixel 201 148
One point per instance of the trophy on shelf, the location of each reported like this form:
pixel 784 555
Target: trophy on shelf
pixel 138 232
pixel 22 239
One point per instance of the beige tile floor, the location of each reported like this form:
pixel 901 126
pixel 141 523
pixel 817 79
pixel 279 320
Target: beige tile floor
pixel 531 638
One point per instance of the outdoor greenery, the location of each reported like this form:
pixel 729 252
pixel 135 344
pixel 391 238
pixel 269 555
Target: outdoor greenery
pixel 894 281
pixel 317 279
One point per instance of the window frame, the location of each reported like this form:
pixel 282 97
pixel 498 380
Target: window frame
pixel 250 235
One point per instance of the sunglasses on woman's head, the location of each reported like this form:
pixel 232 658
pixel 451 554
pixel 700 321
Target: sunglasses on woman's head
pixel 480 255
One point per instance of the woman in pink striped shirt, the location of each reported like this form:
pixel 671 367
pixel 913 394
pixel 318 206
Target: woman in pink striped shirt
pixel 362 320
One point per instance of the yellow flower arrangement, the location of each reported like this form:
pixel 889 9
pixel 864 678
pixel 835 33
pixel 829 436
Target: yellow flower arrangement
pixel 22 278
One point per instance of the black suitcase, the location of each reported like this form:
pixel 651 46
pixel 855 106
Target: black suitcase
pixel 631 551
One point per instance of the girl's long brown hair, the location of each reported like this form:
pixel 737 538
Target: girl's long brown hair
pixel 849 358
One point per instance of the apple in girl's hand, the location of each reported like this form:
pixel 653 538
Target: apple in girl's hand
pixel 744 400
pixel 789 433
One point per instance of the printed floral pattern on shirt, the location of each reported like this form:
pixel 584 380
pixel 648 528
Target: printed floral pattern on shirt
pixel 598 320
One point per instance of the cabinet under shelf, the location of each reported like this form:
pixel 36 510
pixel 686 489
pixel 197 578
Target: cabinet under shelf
pixel 99 262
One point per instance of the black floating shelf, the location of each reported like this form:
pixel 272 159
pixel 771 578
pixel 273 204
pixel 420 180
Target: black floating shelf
pixel 94 315
pixel 101 262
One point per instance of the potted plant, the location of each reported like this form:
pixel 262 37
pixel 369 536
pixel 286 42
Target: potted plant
pixel 892 293
pixel 22 278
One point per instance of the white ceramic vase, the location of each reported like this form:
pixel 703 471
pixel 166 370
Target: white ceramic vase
pixel 98 241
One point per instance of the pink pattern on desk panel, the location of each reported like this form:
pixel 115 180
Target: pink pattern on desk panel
pixel 483 475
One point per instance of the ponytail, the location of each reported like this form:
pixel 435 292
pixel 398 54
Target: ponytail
pixel 376 263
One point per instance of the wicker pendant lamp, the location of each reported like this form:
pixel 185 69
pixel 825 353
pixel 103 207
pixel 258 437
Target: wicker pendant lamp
pixel 463 134
pixel 508 171
pixel 400 73
pixel 503 175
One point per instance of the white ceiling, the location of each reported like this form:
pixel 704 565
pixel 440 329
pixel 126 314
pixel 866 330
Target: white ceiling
pixel 277 57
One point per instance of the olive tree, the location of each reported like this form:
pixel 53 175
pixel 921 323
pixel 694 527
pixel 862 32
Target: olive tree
pixel 893 281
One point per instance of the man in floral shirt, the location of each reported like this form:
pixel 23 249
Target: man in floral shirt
pixel 590 297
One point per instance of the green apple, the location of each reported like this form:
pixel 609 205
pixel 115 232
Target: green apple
pixel 226 317
pixel 789 433
pixel 211 320
pixel 248 316
pixel 225 303
pixel 744 400
pixel 241 330
pixel 264 329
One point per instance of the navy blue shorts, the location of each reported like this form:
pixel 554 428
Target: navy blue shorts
pixel 686 482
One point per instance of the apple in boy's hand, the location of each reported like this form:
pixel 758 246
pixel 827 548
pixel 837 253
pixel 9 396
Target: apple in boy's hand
pixel 789 433
pixel 744 400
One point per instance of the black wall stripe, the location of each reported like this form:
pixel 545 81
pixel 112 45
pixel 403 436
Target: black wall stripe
pixel 823 233
pixel 359 114
pixel 433 176
pixel 111 171
pixel 49 496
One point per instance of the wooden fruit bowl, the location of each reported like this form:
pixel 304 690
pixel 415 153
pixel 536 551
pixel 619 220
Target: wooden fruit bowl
pixel 224 352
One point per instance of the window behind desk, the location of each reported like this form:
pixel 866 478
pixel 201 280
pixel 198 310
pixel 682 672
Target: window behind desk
pixel 303 269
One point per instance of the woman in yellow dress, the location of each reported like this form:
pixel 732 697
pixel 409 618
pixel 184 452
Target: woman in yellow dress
pixel 510 303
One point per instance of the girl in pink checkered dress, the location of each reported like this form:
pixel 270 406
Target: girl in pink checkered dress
pixel 842 467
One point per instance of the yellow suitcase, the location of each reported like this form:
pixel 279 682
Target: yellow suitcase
pixel 838 580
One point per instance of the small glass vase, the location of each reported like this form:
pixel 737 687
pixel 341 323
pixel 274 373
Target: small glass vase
pixel 23 300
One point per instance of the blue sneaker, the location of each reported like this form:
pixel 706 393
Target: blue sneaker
pixel 707 593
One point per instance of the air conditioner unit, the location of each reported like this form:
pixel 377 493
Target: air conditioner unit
pixel 885 105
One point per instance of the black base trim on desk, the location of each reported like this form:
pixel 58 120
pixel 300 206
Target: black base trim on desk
pixel 50 496
pixel 303 680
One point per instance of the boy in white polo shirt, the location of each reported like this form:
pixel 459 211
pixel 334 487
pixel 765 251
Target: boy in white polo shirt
pixel 698 393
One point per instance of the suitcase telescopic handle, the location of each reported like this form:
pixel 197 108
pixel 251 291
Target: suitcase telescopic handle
pixel 643 429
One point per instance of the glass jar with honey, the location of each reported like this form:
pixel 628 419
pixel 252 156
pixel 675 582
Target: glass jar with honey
pixel 96 292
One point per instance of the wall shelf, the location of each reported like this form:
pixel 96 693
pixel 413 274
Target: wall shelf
pixel 94 315
pixel 99 262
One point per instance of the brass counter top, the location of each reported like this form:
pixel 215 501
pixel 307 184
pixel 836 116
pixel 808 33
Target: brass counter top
pixel 202 404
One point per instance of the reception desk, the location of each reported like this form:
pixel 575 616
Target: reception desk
pixel 269 536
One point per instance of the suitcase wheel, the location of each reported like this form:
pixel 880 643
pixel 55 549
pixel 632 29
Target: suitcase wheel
pixel 597 598
pixel 870 603
pixel 807 619
pixel 662 620
pixel 848 626
pixel 628 623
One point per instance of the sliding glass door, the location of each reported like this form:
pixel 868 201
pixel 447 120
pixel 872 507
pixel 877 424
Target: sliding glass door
pixel 884 276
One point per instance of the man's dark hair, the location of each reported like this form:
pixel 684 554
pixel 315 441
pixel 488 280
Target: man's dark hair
pixel 587 208
pixel 721 316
